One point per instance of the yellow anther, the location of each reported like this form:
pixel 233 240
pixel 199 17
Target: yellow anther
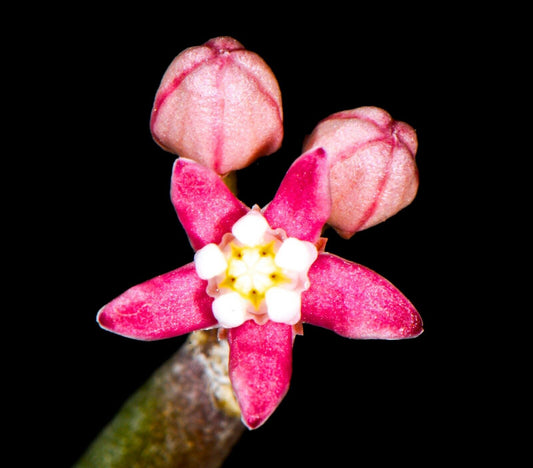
pixel 251 272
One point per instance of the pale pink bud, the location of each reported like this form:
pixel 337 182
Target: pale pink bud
pixel 220 105
pixel 373 173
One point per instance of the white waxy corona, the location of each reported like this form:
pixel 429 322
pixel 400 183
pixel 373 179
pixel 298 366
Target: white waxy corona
pixel 256 273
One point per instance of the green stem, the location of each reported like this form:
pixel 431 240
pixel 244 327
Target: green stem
pixel 185 415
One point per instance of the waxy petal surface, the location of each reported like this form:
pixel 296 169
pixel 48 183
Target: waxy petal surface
pixel 205 206
pixel 169 305
pixel 260 368
pixel 356 302
pixel 302 203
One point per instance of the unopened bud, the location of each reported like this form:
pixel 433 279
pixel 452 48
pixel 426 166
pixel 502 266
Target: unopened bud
pixel 373 173
pixel 220 105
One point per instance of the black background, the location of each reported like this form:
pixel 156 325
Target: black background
pixel 101 221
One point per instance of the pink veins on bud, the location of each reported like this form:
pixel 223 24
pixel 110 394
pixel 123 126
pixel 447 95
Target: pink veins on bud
pixel 220 105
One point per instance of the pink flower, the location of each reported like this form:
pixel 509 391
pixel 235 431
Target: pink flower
pixel 220 105
pixel 258 274
pixel 373 171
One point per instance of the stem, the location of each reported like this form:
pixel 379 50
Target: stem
pixel 185 415
pixel 230 179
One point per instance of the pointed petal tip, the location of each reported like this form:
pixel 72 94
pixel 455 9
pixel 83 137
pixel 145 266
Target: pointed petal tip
pixel 320 152
pixel 405 323
pixel 254 416
pixel 409 324
pixel 180 163
pixel 110 321
pixel 106 319
pixel 102 319
pixel 417 327
pixel 254 422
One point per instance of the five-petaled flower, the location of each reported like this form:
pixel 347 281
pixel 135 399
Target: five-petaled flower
pixel 258 274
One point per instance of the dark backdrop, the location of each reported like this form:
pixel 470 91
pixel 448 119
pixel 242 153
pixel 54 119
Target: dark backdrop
pixel 103 221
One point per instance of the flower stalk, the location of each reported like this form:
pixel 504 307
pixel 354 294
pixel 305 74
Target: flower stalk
pixel 185 414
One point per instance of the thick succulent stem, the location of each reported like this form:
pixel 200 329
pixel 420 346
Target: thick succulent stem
pixel 185 415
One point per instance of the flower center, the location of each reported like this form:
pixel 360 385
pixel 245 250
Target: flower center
pixel 256 273
pixel 252 271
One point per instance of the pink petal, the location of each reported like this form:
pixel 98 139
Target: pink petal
pixel 302 203
pixel 220 105
pixel 169 305
pixel 356 302
pixel 260 367
pixel 205 206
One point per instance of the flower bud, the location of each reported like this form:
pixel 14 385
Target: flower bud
pixel 220 105
pixel 373 173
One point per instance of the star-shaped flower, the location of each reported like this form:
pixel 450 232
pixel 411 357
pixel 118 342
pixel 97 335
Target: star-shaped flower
pixel 258 274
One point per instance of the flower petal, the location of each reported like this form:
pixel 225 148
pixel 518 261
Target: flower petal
pixel 302 203
pixel 356 302
pixel 205 206
pixel 260 367
pixel 169 305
